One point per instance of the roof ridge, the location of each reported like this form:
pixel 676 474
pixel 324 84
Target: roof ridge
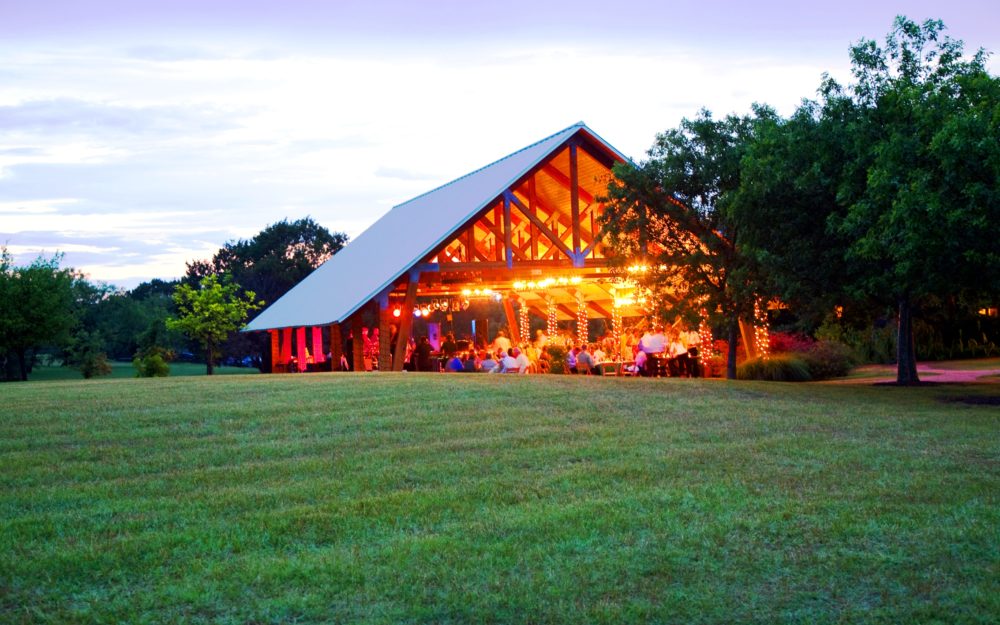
pixel 579 124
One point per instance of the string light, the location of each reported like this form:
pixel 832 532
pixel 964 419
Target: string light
pixel 705 339
pixel 523 323
pixel 762 337
pixel 582 329
pixel 616 329
pixel 468 293
pixel 552 322
pixel 544 283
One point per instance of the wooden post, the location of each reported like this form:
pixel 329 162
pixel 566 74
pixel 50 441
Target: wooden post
pixel 275 348
pixel 286 346
pixel 515 328
pixel 336 347
pixel 301 362
pixel 358 344
pixel 574 200
pixel 507 247
pixel 405 322
pixel 747 334
pixel 384 331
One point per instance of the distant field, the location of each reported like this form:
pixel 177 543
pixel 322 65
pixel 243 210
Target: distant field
pixel 422 498
pixel 125 370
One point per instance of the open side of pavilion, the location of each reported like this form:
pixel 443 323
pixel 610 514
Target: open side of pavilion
pixel 524 229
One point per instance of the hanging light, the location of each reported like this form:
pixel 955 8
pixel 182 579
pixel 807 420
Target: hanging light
pixel 426 311
pixel 762 337
pixel 396 312
pixel 583 332
pixel 417 312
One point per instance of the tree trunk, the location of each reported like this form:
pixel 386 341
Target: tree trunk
pixel 22 362
pixel 906 353
pixel 210 360
pixel 734 328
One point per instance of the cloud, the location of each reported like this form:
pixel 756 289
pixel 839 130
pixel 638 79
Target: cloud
pixel 75 117
pixel 401 173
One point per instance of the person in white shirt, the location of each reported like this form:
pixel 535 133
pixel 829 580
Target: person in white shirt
pixel 521 360
pixel 501 342
pixel 598 354
pixel 653 342
pixel 508 364
pixel 678 354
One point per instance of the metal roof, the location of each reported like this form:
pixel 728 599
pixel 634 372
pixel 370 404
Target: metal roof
pixel 401 238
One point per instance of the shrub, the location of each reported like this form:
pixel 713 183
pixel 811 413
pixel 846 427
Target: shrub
pixel 94 365
pixel 829 359
pixel 557 355
pixel 152 362
pixel 782 342
pixel 777 368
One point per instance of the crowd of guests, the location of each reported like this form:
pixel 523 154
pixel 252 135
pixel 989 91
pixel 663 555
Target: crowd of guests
pixel 650 353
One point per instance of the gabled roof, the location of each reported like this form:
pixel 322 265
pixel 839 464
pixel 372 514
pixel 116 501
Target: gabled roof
pixel 402 237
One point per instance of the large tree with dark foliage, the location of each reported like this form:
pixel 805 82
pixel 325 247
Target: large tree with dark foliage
pixel 37 307
pixel 670 216
pixel 269 264
pixel 922 183
pixel 273 261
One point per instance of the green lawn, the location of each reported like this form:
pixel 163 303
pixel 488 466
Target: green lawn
pixel 126 370
pixel 367 498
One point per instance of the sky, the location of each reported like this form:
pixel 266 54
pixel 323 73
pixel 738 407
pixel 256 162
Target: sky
pixel 136 136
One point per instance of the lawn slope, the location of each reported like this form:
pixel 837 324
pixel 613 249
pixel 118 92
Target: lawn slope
pixel 509 499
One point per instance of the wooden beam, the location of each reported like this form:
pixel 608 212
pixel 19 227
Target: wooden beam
pixel 555 216
pixel 336 347
pixel 510 197
pixel 384 334
pixel 566 182
pixel 515 327
pixel 498 231
pixel 275 348
pixel 532 198
pixel 574 198
pixel 749 346
pixel 600 310
pixel 566 310
pixel 405 322
pixel 357 343
pixel 509 255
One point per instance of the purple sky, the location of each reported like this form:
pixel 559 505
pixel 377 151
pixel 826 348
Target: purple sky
pixel 137 135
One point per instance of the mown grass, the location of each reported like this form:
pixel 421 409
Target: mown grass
pixel 497 499
pixel 121 370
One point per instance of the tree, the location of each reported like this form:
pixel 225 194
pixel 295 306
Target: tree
pixel 670 216
pixel 36 306
pixel 269 264
pixel 274 260
pixel 790 176
pixel 211 312
pixel 921 185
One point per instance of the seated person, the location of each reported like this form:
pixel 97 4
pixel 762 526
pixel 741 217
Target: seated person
pixel 470 366
pixel 641 363
pixel 522 360
pixel 488 364
pixel 571 359
pixel 585 362
pixel 509 364
pixel 599 355
pixel 455 365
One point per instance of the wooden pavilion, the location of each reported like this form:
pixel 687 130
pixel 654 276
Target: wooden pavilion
pixel 524 229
